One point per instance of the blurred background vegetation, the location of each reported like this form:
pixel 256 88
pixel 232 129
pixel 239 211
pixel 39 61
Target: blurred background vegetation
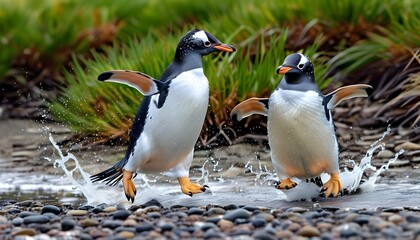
pixel 52 51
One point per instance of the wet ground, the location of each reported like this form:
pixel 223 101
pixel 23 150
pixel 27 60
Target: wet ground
pixel 240 174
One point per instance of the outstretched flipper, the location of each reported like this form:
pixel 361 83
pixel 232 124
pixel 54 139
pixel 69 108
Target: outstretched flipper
pixel 250 107
pixel 331 100
pixel 145 84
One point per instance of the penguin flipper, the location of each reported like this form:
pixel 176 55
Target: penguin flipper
pixel 250 107
pixel 144 83
pixel 332 99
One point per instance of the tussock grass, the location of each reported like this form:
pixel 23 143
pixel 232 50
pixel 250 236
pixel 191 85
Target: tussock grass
pixel 87 37
pixel 107 109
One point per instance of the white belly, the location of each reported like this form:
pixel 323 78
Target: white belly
pixel 302 140
pixel 171 132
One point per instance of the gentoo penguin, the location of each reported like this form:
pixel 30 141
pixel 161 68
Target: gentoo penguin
pixel 170 117
pixel 300 126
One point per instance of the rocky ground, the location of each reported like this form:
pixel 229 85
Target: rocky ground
pixel 153 221
pixel 25 144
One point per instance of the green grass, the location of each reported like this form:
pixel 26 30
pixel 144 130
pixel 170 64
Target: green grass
pixel 42 30
pixel 94 36
pixel 90 106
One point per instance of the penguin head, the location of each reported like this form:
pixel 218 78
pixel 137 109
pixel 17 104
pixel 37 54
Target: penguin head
pixel 296 64
pixel 200 42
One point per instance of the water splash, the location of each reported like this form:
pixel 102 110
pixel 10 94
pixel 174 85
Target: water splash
pixel 100 193
pixel 92 193
pixel 256 183
pixel 351 179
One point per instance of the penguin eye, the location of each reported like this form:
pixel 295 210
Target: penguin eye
pixel 207 44
pixel 300 66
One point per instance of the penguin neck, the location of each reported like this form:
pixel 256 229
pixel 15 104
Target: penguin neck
pixel 180 64
pixel 188 61
pixel 299 82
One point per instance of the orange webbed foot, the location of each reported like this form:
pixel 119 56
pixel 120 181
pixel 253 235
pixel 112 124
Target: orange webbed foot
pixel 129 187
pixel 333 186
pixel 286 184
pixel 189 188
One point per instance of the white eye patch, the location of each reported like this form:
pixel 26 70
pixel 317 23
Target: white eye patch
pixel 201 35
pixel 303 61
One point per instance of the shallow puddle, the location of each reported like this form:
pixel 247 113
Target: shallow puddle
pixel 251 183
pixel 53 189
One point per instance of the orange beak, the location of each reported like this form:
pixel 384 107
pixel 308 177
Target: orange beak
pixel 283 70
pixel 225 47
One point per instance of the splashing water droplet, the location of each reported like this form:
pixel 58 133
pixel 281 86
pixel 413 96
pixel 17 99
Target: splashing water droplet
pixel 93 195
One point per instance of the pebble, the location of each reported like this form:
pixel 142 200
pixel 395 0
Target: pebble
pixel 97 209
pixel 258 222
pixel 297 210
pixel 408 146
pixel 214 220
pixel 154 215
pixel 284 234
pixel 250 208
pixel 208 225
pixel 324 226
pixel 50 215
pixel 240 232
pixel 213 234
pixel 231 207
pixel 152 202
pixel 309 231
pixel 121 214
pixel 396 219
pixel 77 213
pixel 263 235
pixel 50 209
pixel 12 211
pixel 17 221
pixel 294 227
pixel 25 214
pixel 88 222
pixel 237 213
pixel 67 225
pixel 109 209
pixel 225 225
pixel 144 227
pixel 214 211
pixel 86 207
pixel 348 230
pixel 361 220
pixel 266 216
pixel 24 232
pixel 126 234
pixel 386 154
pixel 130 223
pixel 112 224
pixel 36 219
pixel 196 211
pixel 413 218
pixel 166 227
pixel 3 220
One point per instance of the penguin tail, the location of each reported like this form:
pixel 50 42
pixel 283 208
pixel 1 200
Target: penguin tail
pixel 112 175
